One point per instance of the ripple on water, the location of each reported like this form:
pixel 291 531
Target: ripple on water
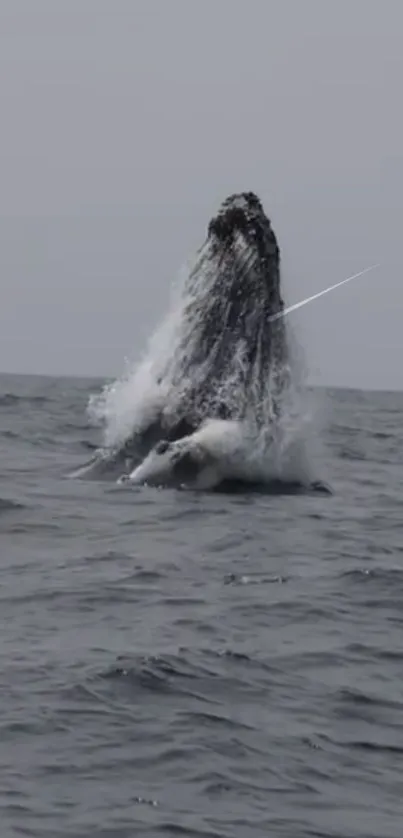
pixel 174 664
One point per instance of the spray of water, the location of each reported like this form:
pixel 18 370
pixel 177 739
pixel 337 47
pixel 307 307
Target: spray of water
pixel 209 351
pixel 176 368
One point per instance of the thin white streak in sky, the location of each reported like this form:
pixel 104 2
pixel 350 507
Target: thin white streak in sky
pixel 319 294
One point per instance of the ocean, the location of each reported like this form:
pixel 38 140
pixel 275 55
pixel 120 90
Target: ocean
pixel 195 664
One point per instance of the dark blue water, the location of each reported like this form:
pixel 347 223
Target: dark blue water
pixel 181 664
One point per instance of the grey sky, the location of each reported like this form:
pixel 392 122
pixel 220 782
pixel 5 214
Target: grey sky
pixel 125 122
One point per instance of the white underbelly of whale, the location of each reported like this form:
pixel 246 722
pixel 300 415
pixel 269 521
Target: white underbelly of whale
pixel 199 461
pixel 190 466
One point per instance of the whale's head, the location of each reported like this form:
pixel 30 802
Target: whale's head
pixel 241 217
pixel 229 341
pixel 243 240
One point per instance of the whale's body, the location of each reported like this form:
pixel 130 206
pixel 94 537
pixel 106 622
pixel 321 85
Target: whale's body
pixel 228 360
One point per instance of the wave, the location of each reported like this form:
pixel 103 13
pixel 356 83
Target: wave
pixel 12 399
pixel 7 505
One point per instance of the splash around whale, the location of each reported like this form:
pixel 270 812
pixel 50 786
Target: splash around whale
pixel 216 400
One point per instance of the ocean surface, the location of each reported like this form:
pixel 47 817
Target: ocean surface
pixel 187 664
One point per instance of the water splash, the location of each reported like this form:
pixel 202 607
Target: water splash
pixel 269 435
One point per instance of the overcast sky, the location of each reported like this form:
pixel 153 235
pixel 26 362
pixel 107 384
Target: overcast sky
pixel 124 123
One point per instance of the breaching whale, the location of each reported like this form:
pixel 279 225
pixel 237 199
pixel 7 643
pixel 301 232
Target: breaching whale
pixel 228 358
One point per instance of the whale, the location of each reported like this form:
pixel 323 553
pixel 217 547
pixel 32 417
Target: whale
pixel 228 359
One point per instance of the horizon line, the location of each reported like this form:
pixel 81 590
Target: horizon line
pixel 116 376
